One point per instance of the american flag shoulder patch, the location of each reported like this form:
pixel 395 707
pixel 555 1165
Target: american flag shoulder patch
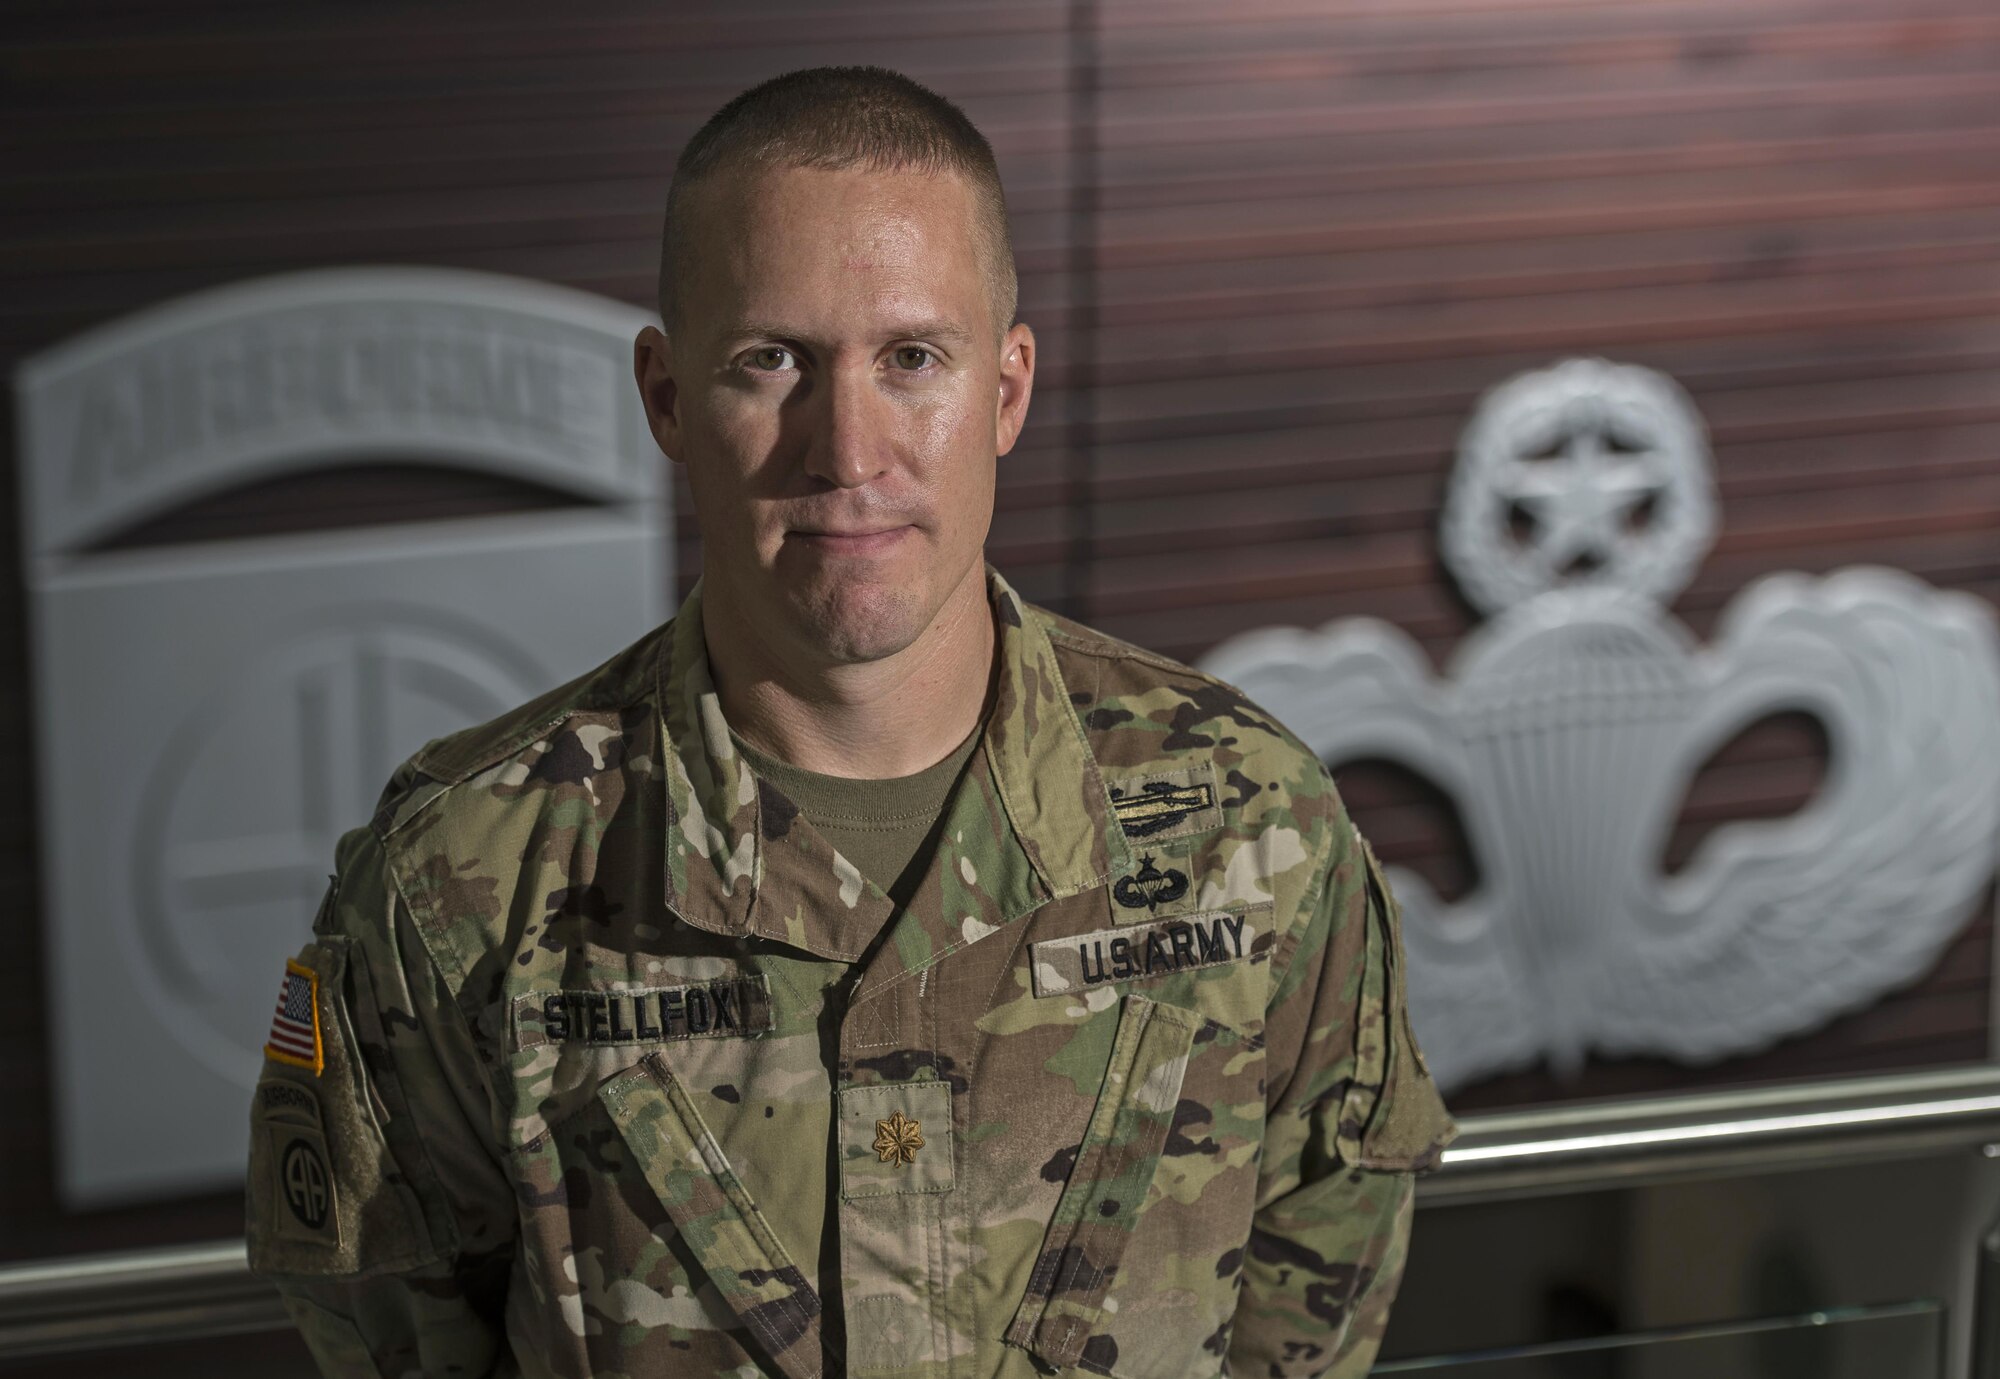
pixel 295 1028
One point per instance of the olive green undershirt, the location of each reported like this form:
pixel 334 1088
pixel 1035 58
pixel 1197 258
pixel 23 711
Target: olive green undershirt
pixel 881 826
pixel 888 829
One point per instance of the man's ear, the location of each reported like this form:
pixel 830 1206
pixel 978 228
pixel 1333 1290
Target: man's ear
pixel 1017 384
pixel 653 369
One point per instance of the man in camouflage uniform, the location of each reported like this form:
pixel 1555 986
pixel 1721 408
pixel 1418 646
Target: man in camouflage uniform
pixel 605 1059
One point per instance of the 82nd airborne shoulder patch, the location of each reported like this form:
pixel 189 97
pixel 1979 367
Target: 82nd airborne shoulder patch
pixel 301 1174
pixel 295 1033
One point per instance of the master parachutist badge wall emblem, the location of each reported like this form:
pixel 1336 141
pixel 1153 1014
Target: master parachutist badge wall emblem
pixel 1570 723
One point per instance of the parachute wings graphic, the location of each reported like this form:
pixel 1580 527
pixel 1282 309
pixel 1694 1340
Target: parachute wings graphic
pixel 1570 723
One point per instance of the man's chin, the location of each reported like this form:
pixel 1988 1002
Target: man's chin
pixel 854 623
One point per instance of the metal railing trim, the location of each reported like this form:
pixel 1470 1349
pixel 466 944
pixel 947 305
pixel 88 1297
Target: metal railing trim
pixel 183 1292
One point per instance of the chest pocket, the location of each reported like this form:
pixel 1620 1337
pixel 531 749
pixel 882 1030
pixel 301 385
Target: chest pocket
pixel 1137 1272
pixel 686 1169
pixel 1098 1212
pixel 650 1249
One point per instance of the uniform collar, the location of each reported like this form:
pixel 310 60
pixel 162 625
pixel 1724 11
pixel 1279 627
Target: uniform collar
pixel 1032 815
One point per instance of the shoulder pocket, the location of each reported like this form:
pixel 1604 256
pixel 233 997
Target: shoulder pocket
pixel 1393 1118
pixel 325 1196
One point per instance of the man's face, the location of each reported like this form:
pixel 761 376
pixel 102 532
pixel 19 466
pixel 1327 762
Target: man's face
pixel 838 389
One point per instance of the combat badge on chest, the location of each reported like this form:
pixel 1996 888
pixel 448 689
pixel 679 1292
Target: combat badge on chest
pixel 1169 803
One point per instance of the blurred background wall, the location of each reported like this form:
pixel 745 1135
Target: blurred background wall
pixel 1274 251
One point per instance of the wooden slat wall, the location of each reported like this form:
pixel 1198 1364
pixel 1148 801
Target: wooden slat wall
pixel 1325 229
pixel 1274 251
pixel 158 148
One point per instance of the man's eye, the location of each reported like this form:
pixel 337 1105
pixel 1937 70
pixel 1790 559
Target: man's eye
pixel 771 358
pixel 913 357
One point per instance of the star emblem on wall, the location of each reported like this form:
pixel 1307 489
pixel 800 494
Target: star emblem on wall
pixel 898 1139
pixel 1569 724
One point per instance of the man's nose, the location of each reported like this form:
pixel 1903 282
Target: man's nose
pixel 852 438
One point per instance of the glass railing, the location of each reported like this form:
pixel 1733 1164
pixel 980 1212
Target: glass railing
pixel 1895 1341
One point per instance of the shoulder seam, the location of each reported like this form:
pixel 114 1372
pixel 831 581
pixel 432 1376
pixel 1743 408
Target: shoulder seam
pixel 423 759
pixel 509 747
pixel 1110 649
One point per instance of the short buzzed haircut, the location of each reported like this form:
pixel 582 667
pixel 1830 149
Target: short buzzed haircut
pixel 837 118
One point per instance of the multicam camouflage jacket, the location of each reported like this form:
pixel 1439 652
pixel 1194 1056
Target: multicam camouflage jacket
pixel 602 1061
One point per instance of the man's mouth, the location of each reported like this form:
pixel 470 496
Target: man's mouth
pixel 853 542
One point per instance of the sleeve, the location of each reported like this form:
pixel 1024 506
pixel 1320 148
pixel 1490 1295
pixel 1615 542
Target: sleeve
pixel 1352 1118
pixel 374 1200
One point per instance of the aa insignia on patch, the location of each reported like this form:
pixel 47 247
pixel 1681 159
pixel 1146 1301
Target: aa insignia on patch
pixel 295 1037
pixel 302 1175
